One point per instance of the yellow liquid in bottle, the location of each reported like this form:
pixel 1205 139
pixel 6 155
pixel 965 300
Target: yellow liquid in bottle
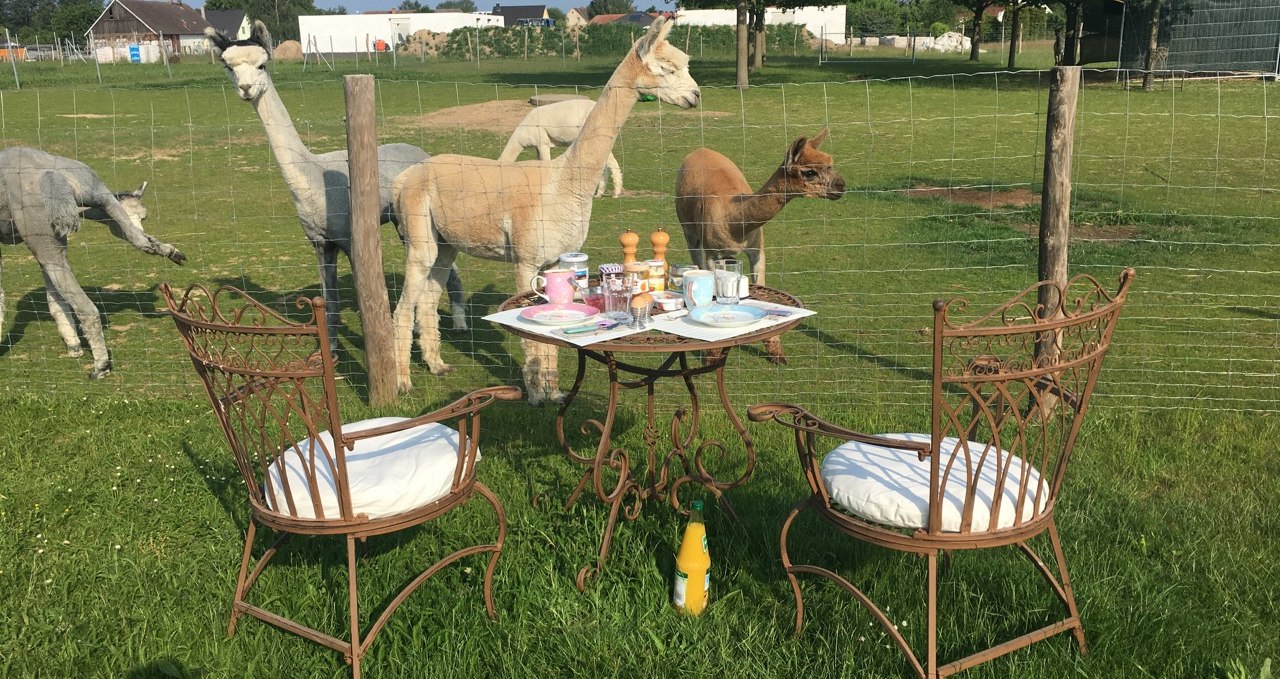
pixel 693 566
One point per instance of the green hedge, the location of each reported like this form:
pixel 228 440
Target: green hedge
pixel 607 40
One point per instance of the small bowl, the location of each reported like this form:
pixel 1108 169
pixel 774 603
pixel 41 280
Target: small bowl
pixel 668 301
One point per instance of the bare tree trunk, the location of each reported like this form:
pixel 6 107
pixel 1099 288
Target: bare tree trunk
pixel 1075 57
pixel 757 29
pixel 1015 25
pixel 1071 50
pixel 1055 200
pixel 742 44
pixel 976 32
pixel 1153 43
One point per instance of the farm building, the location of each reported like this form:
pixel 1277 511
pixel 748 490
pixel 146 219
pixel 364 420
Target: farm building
pixel 139 30
pixel 1205 36
pixel 826 22
pixel 576 16
pixel 522 15
pixel 361 33
pixel 231 22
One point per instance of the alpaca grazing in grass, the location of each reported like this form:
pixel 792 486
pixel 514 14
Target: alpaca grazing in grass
pixel 42 198
pixel 319 183
pixel 558 124
pixel 722 217
pixel 527 212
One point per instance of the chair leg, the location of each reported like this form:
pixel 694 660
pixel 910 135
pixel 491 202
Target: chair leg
pixel 1078 630
pixel 786 563
pixel 355 653
pixel 932 623
pixel 240 581
pixel 497 548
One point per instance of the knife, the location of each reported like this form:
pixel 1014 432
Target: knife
pixel 598 326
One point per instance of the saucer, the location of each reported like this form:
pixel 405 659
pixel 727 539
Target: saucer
pixel 559 314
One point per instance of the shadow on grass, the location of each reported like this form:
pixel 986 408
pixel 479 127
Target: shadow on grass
pixel 165 668
pixel 1255 312
pixel 846 347
pixel 33 307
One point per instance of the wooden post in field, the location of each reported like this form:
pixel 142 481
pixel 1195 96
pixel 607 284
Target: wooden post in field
pixel 1055 200
pixel 366 239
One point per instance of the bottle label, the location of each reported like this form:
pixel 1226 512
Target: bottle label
pixel 704 544
pixel 682 586
pixel 706 588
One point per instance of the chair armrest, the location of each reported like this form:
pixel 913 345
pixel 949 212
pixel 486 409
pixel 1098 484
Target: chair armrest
pixel 800 419
pixel 467 405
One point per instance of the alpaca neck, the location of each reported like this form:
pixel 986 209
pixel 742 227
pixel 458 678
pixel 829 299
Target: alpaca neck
pixel 586 158
pixel 750 211
pixel 286 145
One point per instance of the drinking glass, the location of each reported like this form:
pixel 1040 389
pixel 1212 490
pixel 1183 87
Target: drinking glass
pixel 617 297
pixel 727 273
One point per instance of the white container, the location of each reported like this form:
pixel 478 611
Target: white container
pixel 577 261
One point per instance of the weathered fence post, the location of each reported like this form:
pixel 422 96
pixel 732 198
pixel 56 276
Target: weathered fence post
pixel 1055 199
pixel 366 239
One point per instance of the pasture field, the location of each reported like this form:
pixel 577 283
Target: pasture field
pixel 123 514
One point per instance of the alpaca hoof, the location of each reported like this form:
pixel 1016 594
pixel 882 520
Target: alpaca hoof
pixel 99 373
pixel 440 369
pixel 460 323
pixel 403 385
pixel 780 359
pixel 617 193
pixel 74 351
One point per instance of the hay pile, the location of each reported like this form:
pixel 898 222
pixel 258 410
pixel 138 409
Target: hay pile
pixel 289 50
pixel 424 41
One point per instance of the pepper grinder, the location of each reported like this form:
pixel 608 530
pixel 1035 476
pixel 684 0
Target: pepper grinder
pixel 630 240
pixel 659 239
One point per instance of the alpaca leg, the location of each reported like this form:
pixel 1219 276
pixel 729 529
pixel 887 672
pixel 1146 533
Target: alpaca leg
pixel 615 171
pixel 415 276
pixel 1 294
pixel 604 181
pixel 52 256
pixel 327 256
pixel 457 302
pixel 61 312
pixel 541 380
pixel 429 321
pixel 773 345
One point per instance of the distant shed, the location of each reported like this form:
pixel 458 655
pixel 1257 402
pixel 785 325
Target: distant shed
pixel 140 29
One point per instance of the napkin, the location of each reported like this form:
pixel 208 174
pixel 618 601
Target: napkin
pixel 687 327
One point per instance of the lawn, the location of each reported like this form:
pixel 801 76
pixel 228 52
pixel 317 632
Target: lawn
pixel 123 511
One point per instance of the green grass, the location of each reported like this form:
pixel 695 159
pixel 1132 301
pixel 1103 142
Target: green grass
pixel 123 513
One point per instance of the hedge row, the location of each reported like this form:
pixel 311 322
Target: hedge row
pixel 606 40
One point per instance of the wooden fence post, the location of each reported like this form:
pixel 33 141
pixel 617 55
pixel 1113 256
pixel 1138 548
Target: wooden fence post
pixel 366 239
pixel 1055 200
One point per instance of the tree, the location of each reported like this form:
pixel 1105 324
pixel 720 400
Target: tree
pixel 412 6
pixel 460 5
pixel 280 16
pixel 1013 18
pixel 557 15
pixel 598 7
pixel 341 10
pixel 74 18
pixel 978 7
pixel 874 17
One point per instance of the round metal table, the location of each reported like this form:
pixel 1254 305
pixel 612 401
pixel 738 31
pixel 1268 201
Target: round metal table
pixel 662 476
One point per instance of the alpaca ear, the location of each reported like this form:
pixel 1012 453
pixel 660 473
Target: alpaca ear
pixel 796 151
pixel 218 38
pixel 141 190
pixel 820 137
pixel 658 31
pixel 261 36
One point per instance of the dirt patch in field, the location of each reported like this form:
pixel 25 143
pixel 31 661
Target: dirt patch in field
pixel 1087 231
pixel 983 198
pixel 156 154
pixel 500 116
pixel 89 116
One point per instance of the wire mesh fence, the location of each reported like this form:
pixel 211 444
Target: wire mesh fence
pixel 942 177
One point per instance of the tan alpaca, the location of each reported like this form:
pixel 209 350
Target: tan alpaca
pixel 722 217
pixel 526 212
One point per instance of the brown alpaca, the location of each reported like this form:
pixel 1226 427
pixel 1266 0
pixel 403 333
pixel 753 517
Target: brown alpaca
pixel 526 212
pixel 722 217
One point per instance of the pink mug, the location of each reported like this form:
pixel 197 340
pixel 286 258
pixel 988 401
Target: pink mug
pixel 555 285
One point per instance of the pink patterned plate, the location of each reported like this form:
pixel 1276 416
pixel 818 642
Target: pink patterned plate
pixel 559 314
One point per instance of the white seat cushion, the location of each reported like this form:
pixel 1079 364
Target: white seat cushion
pixel 388 474
pixel 891 487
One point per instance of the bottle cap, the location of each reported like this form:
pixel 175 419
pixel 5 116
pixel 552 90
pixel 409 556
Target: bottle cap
pixel 696 505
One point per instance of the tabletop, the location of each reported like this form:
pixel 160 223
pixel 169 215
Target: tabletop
pixel 662 342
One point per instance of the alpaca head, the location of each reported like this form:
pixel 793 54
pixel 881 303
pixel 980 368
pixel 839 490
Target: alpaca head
pixel 664 70
pixel 246 60
pixel 131 201
pixel 808 171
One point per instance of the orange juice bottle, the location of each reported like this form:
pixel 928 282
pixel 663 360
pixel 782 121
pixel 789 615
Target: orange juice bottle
pixel 693 566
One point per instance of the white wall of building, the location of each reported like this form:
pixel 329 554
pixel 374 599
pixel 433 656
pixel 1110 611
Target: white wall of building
pixel 346 34
pixel 820 21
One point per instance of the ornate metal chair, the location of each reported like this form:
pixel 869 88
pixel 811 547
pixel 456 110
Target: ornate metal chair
pixel 271 383
pixel 1010 391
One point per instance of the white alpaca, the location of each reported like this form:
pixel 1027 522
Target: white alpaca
pixel 527 212
pixel 42 199
pixel 319 183
pixel 557 124
pixel 722 217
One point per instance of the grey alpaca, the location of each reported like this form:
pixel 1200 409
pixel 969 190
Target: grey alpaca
pixel 42 200
pixel 320 184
